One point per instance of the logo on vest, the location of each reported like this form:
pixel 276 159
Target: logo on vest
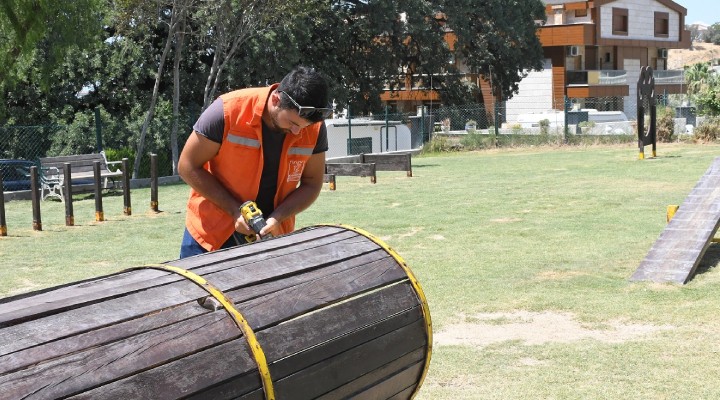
pixel 296 168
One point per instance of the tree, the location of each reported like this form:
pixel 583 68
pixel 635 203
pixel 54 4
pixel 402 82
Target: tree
pixel 498 39
pixel 233 23
pixel 177 12
pixel 704 87
pixel 361 46
pixel 24 24
pixel 713 34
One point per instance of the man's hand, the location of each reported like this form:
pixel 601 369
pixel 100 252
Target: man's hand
pixel 241 226
pixel 272 227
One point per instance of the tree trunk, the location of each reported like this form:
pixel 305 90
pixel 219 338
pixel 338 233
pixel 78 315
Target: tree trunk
pixel 179 42
pixel 176 15
pixel 219 52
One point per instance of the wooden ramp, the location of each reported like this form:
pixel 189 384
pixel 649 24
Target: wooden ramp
pixel 677 252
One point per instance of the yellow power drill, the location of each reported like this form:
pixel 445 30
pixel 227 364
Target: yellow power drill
pixel 254 219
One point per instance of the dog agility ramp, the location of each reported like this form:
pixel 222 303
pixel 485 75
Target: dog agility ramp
pixel 680 247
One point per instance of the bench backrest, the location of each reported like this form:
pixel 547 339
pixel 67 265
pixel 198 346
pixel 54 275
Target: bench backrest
pixel 389 162
pixel 350 169
pixel 78 163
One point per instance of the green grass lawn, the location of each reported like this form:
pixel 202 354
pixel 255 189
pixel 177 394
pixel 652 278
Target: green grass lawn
pixel 524 256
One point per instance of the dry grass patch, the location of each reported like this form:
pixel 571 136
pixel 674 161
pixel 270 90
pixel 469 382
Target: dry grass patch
pixel 536 328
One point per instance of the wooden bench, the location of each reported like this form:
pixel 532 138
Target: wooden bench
pixel 389 161
pixel 350 169
pixel 52 176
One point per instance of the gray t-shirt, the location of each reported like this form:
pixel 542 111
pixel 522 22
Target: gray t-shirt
pixel 211 124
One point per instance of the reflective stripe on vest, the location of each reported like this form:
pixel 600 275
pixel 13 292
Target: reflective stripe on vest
pixel 243 141
pixel 301 151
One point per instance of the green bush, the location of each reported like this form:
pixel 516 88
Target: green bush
pixel 707 131
pixel 544 126
pixel 438 144
pixel 665 125
pixel 77 138
pixel 474 141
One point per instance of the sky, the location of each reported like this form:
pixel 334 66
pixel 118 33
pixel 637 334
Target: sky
pixel 705 11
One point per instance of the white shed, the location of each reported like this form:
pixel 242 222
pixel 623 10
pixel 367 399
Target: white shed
pixel 366 136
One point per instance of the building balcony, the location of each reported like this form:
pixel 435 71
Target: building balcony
pixel 670 81
pixel 596 78
pixel 669 77
pixel 596 83
pixel 567 35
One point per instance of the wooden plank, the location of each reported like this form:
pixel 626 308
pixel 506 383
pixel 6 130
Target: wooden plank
pixel 80 371
pixel 344 367
pixel 185 376
pixel 310 304
pixel 46 348
pixel 98 315
pixel 251 292
pixel 136 305
pixel 394 384
pixel 390 162
pixel 352 169
pixel 62 298
pixel 676 254
pixel 294 301
pixel 302 342
pixel 297 342
pixel 405 394
pixel 364 383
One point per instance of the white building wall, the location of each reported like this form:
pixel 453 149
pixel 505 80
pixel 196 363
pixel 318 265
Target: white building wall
pixel 632 67
pixel 397 137
pixel 641 20
pixel 534 96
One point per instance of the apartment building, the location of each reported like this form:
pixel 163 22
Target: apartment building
pixel 593 51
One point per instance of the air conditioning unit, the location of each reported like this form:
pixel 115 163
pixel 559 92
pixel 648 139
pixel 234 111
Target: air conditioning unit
pixel 662 53
pixel 573 51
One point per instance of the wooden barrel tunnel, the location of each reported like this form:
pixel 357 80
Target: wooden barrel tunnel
pixel 327 312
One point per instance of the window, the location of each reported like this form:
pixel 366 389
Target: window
pixel 620 21
pixel 581 13
pixel 662 24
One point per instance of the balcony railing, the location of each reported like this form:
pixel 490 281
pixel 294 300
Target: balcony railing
pixel 669 77
pixel 596 78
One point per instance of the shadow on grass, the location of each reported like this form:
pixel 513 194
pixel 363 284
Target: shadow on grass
pixel 710 260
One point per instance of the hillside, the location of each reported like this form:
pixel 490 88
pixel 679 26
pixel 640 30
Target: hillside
pixel 700 52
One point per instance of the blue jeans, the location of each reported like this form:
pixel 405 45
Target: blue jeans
pixel 190 246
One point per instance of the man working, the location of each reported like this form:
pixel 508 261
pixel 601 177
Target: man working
pixel 262 144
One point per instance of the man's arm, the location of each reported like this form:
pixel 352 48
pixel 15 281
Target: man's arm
pixel 197 151
pixel 310 185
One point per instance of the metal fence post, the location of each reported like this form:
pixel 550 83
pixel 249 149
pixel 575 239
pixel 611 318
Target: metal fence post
pixel 349 140
pixel 422 122
pixel 566 109
pixel 3 223
pixel 98 130
pixel 496 117
pixel 35 189
pixel 387 130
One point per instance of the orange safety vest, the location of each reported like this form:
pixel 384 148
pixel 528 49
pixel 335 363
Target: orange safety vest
pixel 239 163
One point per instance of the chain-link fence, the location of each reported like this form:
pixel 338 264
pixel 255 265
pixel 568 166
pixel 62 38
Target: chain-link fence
pixel 30 143
pixel 519 120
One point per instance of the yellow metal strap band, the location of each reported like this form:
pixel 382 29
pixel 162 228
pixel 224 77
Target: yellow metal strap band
pixel 240 321
pixel 416 286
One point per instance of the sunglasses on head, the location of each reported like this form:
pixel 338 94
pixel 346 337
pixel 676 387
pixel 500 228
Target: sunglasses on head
pixel 309 112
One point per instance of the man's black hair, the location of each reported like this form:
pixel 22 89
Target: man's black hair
pixel 307 87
